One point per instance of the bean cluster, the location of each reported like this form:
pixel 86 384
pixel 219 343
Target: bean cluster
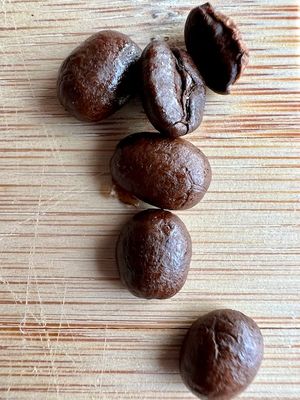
pixel 223 350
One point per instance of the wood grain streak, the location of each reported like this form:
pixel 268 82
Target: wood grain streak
pixel 68 329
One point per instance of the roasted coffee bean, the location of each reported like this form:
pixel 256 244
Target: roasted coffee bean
pixel 221 354
pixel 153 254
pixel 99 76
pixel 215 44
pixel 173 91
pixel 167 173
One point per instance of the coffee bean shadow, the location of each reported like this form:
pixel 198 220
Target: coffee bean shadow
pixel 48 103
pixel 169 354
pixel 168 359
pixel 105 253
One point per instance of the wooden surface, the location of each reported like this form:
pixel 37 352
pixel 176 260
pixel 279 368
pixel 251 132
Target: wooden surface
pixel 69 330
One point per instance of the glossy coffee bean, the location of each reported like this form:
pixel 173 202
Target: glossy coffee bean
pixel 153 254
pixel 167 173
pixel 221 354
pixel 173 91
pixel 214 42
pixel 99 76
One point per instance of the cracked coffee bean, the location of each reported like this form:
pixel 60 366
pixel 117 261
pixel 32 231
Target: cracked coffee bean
pixel 214 42
pixel 173 91
pixel 99 76
pixel 153 254
pixel 167 173
pixel 221 354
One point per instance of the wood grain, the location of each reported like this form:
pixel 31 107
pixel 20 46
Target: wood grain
pixel 69 330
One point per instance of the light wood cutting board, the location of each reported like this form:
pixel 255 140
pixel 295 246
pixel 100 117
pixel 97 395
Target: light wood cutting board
pixel 68 328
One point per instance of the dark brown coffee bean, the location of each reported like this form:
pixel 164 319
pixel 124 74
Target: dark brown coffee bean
pixel 173 91
pixel 99 76
pixel 153 254
pixel 221 354
pixel 214 42
pixel 167 173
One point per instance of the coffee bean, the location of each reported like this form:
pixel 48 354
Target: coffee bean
pixel 153 254
pixel 221 354
pixel 173 92
pixel 99 76
pixel 167 173
pixel 215 44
